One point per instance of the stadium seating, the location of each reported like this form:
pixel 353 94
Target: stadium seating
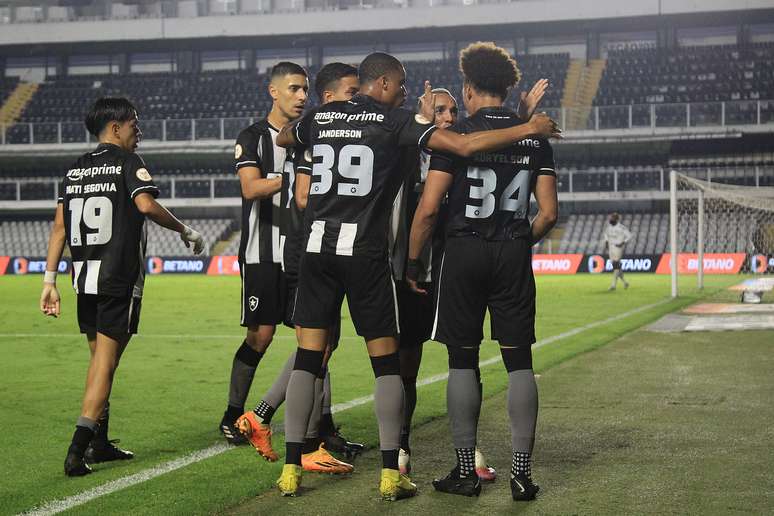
pixel 706 74
pixel 584 233
pixel 178 97
pixel 30 237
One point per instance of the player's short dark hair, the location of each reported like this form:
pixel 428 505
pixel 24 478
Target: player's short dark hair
pixel 107 109
pixel 377 64
pixel 489 69
pixel 331 74
pixel 284 68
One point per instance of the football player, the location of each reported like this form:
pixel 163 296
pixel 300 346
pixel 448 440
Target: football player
pixel 487 263
pixel 103 202
pixel 355 178
pixel 259 163
pixel 616 236
pixel 334 82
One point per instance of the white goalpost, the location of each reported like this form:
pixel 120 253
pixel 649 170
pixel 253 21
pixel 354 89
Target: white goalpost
pixel 719 228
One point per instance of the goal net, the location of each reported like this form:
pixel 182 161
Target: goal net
pixel 718 228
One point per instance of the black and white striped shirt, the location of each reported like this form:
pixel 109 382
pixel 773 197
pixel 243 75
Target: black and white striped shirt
pixel 260 239
pixel 356 173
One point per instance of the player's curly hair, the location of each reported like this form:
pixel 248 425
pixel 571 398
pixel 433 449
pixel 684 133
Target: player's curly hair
pixel 489 68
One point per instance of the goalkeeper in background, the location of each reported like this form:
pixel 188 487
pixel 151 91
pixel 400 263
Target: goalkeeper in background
pixel 616 235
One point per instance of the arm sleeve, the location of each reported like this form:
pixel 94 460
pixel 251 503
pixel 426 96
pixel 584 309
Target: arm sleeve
pixel 303 160
pixel 246 151
pixel 137 178
pixel 546 165
pixel 413 129
pixel 303 128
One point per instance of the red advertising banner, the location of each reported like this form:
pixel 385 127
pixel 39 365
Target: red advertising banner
pixel 714 263
pixel 4 264
pixel 556 263
pixel 223 265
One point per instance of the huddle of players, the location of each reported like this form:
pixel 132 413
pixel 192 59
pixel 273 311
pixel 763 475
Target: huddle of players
pixel 346 163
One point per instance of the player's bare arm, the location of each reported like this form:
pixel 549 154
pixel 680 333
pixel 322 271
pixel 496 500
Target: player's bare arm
pixel 436 186
pixel 465 145
pixel 256 187
pixel 49 298
pixel 548 207
pixel 150 207
pixel 303 183
pixel 529 102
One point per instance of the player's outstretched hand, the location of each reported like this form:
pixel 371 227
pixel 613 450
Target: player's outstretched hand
pixel 544 126
pixel 427 103
pixel 49 300
pixel 190 235
pixel 530 101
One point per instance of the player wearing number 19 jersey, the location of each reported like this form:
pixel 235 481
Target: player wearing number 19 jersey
pixel 104 199
pixel 356 175
pixel 487 263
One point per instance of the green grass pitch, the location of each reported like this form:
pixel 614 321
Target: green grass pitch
pixel 172 384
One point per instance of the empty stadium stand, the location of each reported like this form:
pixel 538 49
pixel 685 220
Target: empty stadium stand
pixel 584 233
pixel 30 237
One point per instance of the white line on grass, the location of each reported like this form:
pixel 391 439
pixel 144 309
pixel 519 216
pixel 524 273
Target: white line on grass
pixel 57 506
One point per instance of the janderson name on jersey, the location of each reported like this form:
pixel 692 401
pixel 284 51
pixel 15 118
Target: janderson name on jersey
pixel 356 173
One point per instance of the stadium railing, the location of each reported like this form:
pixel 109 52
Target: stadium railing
pixel 632 116
pixel 571 180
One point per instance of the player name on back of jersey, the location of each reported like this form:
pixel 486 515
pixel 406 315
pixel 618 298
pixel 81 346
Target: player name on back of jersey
pixel 499 157
pixel 90 188
pixel 340 133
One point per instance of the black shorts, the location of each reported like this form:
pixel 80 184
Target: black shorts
pixel 263 294
pixel 116 317
pixel 323 281
pixel 415 314
pixel 477 274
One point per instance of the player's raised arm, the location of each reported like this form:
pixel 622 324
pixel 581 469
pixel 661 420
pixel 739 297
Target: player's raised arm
pixel 528 102
pixel 539 126
pixel 436 186
pixel 49 297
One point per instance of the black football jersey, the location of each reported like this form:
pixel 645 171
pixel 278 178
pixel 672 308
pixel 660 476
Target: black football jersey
pixel 418 163
pixel 291 216
pixel 105 230
pixel 260 239
pixel 356 173
pixel 491 191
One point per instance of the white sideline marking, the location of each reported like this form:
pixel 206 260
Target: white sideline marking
pixel 57 506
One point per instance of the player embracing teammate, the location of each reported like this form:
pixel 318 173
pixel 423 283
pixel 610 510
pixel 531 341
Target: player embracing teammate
pixel 487 264
pixel 356 175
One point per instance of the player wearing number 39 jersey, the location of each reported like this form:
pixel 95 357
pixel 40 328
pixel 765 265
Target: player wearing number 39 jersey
pixel 104 199
pixel 355 147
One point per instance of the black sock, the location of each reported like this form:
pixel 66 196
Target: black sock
pixel 410 388
pixel 233 413
pixel 311 444
pixel 520 465
pixel 390 459
pixel 103 423
pixel 326 425
pixel 466 461
pixel 81 438
pixel 293 452
pixel 264 411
